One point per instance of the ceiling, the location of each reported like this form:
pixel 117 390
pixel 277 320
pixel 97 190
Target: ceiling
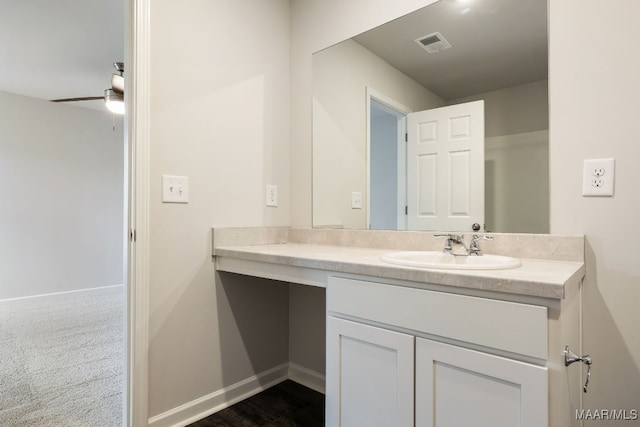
pixel 66 48
pixel 60 49
pixel 495 44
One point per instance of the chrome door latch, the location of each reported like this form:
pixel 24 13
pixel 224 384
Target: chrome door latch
pixel 570 357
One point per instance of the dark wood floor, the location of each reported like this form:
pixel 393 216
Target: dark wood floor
pixel 287 404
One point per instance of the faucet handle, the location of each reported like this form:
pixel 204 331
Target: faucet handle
pixel 477 237
pixel 447 245
pixel 451 238
pixel 456 238
pixel 474 249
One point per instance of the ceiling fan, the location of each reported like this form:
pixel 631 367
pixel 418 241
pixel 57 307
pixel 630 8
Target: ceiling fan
pixel 113 97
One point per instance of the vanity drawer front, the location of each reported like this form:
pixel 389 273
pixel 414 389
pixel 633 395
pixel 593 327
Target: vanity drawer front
pixel 502 325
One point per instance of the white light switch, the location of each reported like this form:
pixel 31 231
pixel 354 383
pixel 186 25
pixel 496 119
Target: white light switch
pixel 598 177
pixel 356 200
pixel 175 189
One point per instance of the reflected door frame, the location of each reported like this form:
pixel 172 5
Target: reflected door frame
pixel 400 111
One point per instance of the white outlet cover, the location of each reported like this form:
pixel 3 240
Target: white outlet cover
pixel 272 195
pixel 598 177
pixel 175 189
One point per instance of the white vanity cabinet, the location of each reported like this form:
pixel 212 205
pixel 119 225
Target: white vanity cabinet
pixel 403 356
pixel 456 386
pixel 372 375
pixel 417 346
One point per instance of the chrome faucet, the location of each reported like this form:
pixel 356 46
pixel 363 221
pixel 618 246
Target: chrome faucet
pixel 451 239
pixel 474 248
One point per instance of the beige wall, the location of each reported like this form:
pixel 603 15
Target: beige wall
pixel 219 115
pixel 516 109
pixel 594 92
pixel 316 25
pixel 341 76
pixel 516 158
pixel 516 169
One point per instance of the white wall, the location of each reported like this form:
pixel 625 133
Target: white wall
pixel 61 197
pixel 341 76
pixel 219 115
pixel 594 93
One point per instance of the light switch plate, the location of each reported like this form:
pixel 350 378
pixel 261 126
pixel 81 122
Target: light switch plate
pixel 598 177
pixel 175 189
pixel 356 200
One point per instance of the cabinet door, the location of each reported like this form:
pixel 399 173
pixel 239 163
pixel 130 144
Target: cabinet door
pixel 370 376
pixel 458 387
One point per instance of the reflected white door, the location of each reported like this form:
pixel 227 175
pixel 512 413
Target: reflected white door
pixel 445 167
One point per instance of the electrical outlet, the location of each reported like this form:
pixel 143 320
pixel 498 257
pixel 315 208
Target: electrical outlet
pixel 175 189
pixel 356 200
pixel 598 177
pixel 272 195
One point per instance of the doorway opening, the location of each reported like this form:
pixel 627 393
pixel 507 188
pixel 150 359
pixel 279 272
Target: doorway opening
pixel 386 163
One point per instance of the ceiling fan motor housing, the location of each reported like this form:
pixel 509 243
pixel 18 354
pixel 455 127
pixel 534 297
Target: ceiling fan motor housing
pixel 117 80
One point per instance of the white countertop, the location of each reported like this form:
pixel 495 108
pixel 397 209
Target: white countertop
pixel 539 278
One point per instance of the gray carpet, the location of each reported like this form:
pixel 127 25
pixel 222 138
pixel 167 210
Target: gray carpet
pixel 62 360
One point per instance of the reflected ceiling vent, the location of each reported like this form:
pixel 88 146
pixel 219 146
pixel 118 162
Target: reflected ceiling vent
pixel 433 43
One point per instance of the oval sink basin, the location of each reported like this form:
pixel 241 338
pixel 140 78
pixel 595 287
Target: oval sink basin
pixel 440 260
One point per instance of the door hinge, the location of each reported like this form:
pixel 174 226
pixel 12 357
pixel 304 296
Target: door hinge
pixel 132 235
pixel 406 210
pixel 406 137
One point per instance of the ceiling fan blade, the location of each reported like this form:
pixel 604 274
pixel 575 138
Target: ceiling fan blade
pixel 86 98
pixel 116 91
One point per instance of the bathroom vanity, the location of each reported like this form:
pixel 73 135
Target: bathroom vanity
pixel 431 347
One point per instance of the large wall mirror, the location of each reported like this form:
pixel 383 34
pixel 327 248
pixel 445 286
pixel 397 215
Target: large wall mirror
pixel 438 120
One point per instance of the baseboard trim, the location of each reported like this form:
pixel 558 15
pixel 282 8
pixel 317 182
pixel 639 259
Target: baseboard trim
pixel 204 406
pixel 307 377
pixel 73 291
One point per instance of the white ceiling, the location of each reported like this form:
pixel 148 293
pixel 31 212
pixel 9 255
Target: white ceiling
pixel 495 44
pixel 53 49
